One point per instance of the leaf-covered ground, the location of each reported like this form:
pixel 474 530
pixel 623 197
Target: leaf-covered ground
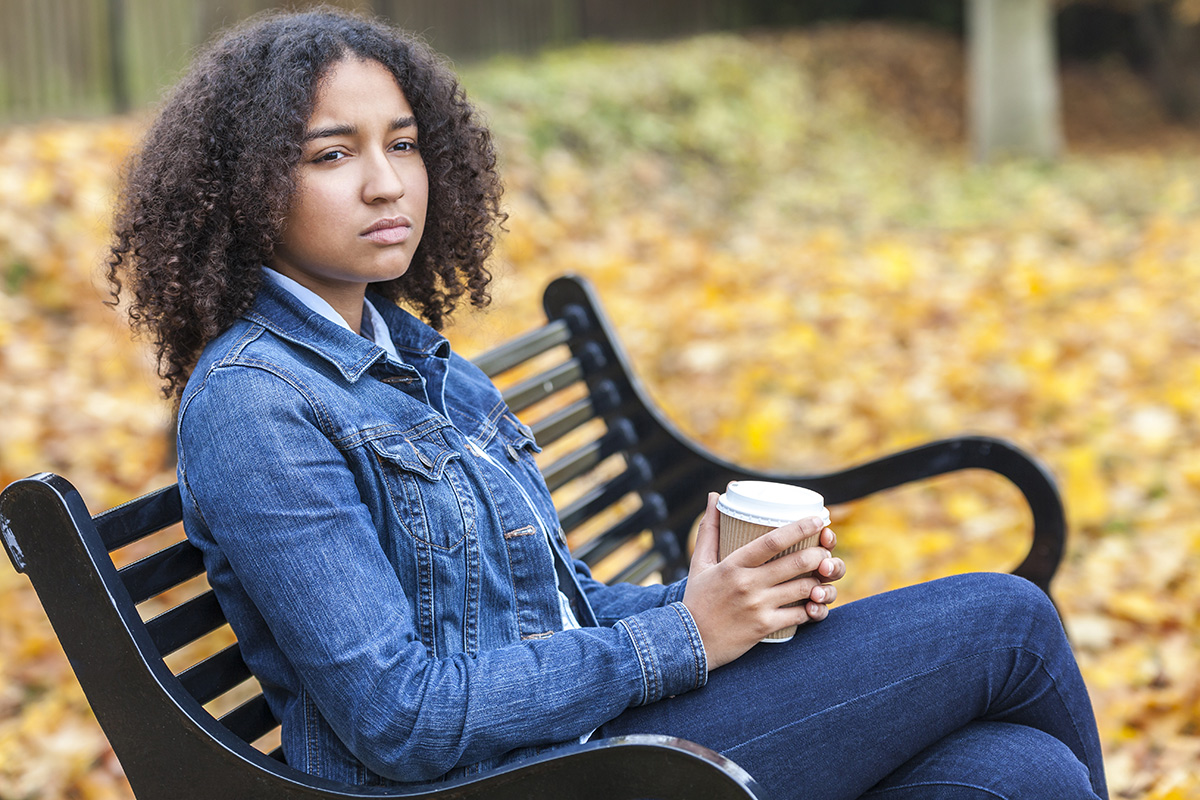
pixel 807 271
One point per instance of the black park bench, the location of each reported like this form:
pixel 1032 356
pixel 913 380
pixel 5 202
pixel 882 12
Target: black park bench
pixel 628 487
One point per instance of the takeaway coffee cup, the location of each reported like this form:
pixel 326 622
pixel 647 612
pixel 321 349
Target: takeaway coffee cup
pixel 751 508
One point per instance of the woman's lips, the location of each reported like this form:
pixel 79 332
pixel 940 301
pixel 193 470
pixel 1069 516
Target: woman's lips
pixel 393 230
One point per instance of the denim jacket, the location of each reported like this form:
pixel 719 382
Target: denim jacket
pixel 375 533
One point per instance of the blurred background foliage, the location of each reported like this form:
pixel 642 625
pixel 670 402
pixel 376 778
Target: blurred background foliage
pixel 807 272
pixel 73 57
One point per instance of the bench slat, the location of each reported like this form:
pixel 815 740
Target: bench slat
pixel 156 573
pixel 522 348
pixel 646 564
pixel 595 549
pixel 579 461
pixel 215 675
pixel 539 387
pixel 185 623
pixel 574 464
pixel 140 517
pixel 554 426
pixel 251 720
pixel 599 498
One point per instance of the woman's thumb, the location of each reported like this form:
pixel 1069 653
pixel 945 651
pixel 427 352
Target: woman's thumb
pixel 708 534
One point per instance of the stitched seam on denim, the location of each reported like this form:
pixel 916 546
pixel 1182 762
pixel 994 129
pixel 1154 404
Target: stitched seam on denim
pixel 521 426
pixel 497 412
pixel 400 516
pixel 310 735
pixel 352 371
pixel 369 358
pixel 484 435
pixel 675 591
pixel 625 623
pixel 466 504
pixel 1061 699
pixel 653 672
pixel 472 560
pixel 234 361
pixel 876 792
pixel 404 347
pixel 420 431
pixel 235 350
pixel 1053 682
pixel 392 502
pixel 697 644
pixel 523 437
pixel 652 661
pixel 435 343
pixel 293 380
pixel 508 557
pixel 907 679
pixel 427 586
pixel 467 529
pixel 182 460
pixel 385 462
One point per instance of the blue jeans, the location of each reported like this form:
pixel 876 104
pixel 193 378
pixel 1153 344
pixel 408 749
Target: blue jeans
pixel 965 687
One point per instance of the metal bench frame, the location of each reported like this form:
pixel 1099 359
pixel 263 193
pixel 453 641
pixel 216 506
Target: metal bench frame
pixel 171 746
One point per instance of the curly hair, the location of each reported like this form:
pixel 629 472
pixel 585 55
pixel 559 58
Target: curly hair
pixel 205 199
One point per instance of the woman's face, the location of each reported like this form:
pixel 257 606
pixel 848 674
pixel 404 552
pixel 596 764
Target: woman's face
pixel 361 188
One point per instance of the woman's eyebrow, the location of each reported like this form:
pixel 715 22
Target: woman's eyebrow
pixel 399 123
pixel 329 132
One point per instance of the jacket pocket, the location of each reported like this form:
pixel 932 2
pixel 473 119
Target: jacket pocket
pixel 429 490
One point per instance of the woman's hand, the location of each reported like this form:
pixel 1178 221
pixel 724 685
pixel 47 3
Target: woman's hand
pixel 738 601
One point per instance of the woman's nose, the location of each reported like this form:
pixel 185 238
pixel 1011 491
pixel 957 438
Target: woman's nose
pixel 382 180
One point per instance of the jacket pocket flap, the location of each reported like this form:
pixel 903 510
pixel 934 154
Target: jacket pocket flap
pixel 517 433
pixel 426 454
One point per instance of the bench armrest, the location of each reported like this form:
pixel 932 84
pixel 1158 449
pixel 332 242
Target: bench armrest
pixel 951 455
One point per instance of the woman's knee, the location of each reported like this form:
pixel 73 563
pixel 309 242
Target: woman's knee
pixel 990 759
pixel 998 588
pixel 1004 600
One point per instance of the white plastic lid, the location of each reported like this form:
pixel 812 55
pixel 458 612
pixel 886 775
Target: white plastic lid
pixel 767 503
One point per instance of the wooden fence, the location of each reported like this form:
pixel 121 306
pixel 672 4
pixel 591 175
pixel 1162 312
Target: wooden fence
pixel 91 57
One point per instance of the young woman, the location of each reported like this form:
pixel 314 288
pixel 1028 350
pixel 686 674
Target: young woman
pixel 380 538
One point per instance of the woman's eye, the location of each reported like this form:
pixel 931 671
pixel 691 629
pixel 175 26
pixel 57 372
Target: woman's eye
pixel 405 147
pixel 330 157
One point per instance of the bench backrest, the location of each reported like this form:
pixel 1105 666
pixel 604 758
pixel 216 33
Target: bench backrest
pixel 627 485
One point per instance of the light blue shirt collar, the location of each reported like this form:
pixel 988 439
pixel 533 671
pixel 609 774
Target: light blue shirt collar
pixel 382 336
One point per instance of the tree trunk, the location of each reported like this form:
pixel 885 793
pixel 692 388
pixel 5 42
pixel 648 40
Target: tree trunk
pixel 1013 98
pixel 1174 48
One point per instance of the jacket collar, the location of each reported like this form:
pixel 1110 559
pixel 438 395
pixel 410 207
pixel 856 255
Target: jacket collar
pixel 286 316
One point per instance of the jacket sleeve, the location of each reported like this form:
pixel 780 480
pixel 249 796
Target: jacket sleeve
pixel 268 493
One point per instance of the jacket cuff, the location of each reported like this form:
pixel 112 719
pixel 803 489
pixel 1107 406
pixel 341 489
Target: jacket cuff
pixel 669 650
pixel 674 593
